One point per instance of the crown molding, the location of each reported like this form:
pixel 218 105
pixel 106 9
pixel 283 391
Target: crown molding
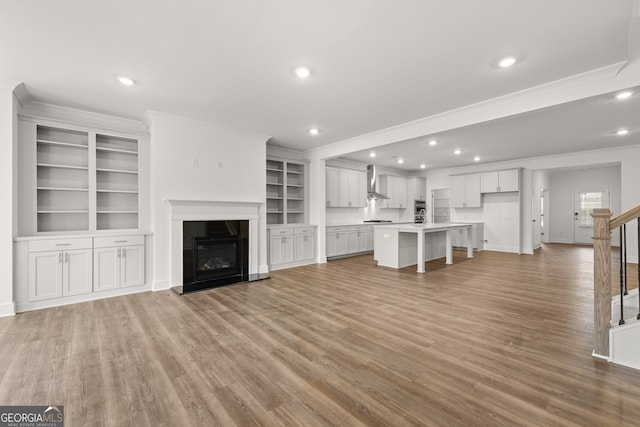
pixel 67 115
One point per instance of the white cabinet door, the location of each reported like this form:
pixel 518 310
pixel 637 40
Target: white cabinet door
pixel 458 191
pixel 281 250
pixel 489 182
pixel 465 191
pixel 106 269
pixel 416 189
pixel 361 197
pixel 400 185
pixel 352 241
pixel 304 247
pixel 132 266
pixel 76 272
pixel 333 187
pixel 509 180
pixel 472 187
pixel 331 245
pixel 361 242
pixel 345 191
pixel 370 240
pixel 45 275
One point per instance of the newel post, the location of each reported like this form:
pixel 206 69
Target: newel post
pixel 601 281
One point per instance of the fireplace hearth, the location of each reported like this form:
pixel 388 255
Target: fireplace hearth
pixel 215 253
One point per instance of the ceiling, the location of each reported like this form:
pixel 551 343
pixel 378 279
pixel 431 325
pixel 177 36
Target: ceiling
pixel 374 64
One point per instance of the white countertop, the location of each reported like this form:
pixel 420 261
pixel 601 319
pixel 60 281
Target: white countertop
pixel 439 226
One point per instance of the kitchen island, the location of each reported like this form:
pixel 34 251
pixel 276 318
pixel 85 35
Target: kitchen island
pixel 401 245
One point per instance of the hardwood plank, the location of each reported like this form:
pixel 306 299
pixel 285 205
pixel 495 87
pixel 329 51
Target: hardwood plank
pixel 501 339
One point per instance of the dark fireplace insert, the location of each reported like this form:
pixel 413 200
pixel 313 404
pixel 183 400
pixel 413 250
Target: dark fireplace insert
pixel 215 253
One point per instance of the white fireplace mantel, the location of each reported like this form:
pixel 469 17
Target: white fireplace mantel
pixel 211 210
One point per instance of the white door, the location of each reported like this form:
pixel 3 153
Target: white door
pixel 585 201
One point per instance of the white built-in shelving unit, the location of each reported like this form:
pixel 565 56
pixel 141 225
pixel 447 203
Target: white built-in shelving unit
pixel 285 192
pixel 86 181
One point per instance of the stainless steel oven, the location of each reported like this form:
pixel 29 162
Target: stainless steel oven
pixel 420 211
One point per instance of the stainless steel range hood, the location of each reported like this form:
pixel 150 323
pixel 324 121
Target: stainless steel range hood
pixel 371 185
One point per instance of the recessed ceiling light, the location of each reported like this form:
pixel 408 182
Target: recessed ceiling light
pixel 423 166
pixel 624 95
pixel 507 62
pixel 457 152
pixel 126 81
pixel 433 142
pixel 372 154
pixel 302 72
pixel 622 132
pixel 476 159
pixel 400 161
pixel 314 131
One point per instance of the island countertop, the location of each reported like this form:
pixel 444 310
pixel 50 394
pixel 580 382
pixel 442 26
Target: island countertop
pixel 401 245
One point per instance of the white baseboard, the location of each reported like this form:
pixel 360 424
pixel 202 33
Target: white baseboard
pixel 263 269
pixel 161 285
pixel 599 356
pixel 322 260
pixel 93 296
pixel 557 240
pixel 8 309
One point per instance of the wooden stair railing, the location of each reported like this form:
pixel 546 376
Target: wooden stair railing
pixel 603 225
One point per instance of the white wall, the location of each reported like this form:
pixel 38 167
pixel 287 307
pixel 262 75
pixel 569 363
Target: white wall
pixel 562 186
pixel 8 162
pixel 230 166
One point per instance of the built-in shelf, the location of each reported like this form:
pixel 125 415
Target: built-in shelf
pixel 285 192
pixel 67 161
pixel 46 165
pixel 116 171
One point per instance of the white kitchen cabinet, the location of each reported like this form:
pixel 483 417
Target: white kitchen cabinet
pixel 500 181
pixel 291 246
pixel 395 188
pixel 59 268
pixel 465 191
pixel 357 239
pixel 353 189
pixel 346 188
pixel 336 241
pixel 118 262
pixel 416 189
pixel 333 187
pixel 347 240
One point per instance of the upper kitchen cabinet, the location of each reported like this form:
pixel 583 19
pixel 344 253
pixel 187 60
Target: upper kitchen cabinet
pixel 417 188
pixel 285 192
pixel 346 188
pixel 395 188
pixel 500 181
pixel 465 191
pixel 74 179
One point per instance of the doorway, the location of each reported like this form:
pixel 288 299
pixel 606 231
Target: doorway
pixel 585 201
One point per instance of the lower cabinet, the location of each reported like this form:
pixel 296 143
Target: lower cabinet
pixel 66 267
pixel 59 268
pixel 291 246
pixel 118 262
pixel 347 240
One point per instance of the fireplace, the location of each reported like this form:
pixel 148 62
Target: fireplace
pixel 215 253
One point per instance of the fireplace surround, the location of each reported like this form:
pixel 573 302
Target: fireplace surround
pixel 181 211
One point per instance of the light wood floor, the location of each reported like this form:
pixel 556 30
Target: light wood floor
pixel 500 339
